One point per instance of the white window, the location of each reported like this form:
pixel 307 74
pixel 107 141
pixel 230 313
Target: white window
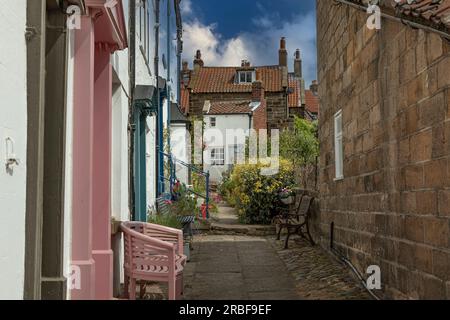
pixel 218 157
pixel 212 122
pixel 338 146
pixel 246 76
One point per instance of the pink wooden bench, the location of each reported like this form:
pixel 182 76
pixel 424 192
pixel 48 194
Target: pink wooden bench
pixel 153 253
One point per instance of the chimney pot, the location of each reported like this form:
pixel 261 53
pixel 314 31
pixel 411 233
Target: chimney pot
pixel 283 43
pixel 298 64
pixel 198 62
pixel 283 55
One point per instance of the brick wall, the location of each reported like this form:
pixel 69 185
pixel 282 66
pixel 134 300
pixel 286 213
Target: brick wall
pixel 392 208
pixel 260 117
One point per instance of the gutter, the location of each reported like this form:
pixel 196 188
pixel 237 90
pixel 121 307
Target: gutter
pixel 410 23
pixel 131 125
pixel 158 99
pixel 179 46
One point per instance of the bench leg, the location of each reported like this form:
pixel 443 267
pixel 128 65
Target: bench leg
pixel 132 289
pixel 172 289
pixel 286 243
pixel 126 287
pixel 180 288
pixel 280 229
pixel 309 234
pixel 142 290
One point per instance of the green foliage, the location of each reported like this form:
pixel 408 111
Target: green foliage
pixel 254 194
pixel 167 220
pixel 185 204
pixel 300 145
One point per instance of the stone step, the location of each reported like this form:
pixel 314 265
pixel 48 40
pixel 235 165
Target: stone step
pixel 251 230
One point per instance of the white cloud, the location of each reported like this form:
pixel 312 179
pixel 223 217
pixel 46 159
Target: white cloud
pixel 186 7
pixel 215 51
pixel 259 48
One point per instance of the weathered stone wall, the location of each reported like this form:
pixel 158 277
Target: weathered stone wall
pixel 392 207
pixel 276 110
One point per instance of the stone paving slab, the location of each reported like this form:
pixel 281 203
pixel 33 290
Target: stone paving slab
pixel 258 274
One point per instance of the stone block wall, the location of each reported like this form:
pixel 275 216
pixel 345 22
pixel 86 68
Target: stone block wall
pixel 392 207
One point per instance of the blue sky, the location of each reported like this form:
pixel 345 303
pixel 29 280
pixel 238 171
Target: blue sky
pixel 230 31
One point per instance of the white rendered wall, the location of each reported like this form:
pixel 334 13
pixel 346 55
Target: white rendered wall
pixel 68 165
pixel 13 124
pixel 180 142
pixel 119 162
pixel 223 123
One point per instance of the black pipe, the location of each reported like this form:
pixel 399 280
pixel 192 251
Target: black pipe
pixel 332 236
pixel 158 102
pixel 131 125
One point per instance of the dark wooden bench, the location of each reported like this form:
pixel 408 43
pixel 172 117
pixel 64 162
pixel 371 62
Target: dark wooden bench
pixel 296 221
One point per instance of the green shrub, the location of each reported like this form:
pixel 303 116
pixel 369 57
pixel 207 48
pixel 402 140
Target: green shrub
pixel 167 220
pixel 254 194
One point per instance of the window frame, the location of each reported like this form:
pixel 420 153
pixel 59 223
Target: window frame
pixel 212 122
pixel 338 146
pixel 217 161
pixel 245 74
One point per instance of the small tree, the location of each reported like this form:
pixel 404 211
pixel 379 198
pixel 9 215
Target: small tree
pixel 301 147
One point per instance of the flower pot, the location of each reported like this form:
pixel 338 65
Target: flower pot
pixel 288 200
pixel 187 250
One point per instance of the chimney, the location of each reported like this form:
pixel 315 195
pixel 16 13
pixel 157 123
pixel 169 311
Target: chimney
pixel 314 87
pixel 298 64
pixel 283 54
pixel 258 91
pixel 185 74
pixel 198 62
pixel 245 64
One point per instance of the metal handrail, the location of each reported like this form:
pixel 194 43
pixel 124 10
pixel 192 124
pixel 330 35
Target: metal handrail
pixel 172 178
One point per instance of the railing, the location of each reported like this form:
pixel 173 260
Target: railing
pixel 172 179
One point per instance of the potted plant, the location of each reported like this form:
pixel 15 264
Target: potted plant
pixel 286 196
pixel 184 207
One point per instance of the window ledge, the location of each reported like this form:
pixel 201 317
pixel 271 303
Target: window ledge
pixel 338 179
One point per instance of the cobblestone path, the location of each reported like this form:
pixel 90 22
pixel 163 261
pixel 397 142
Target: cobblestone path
pixel 243 267
pixel 318 276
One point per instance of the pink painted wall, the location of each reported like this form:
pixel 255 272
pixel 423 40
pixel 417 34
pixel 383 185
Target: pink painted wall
pixel 82 159
pixel 101 223
pixel 91 214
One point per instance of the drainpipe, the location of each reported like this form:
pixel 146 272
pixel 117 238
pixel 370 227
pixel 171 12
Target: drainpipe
pixel 131 124
pixel 158 99
pixel 179 47
pixel 169 39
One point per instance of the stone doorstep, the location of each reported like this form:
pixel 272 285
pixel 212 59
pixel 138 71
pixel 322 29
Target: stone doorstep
pixel 254 230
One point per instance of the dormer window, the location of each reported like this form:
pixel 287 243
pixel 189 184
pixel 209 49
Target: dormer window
pixel 246 76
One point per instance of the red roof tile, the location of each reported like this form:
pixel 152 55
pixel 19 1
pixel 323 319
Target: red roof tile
pixel 311 101
pixel 295 96
pixel 184 99
pixel 222 80
pixel 433 13
pixel 230 107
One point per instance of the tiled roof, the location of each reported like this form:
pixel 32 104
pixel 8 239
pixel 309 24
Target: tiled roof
pixel 184 99
pixel 295 93
pixel 432 13
pixel 222 80
pixel 230 107
pixel 435 11
pixel 311 101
